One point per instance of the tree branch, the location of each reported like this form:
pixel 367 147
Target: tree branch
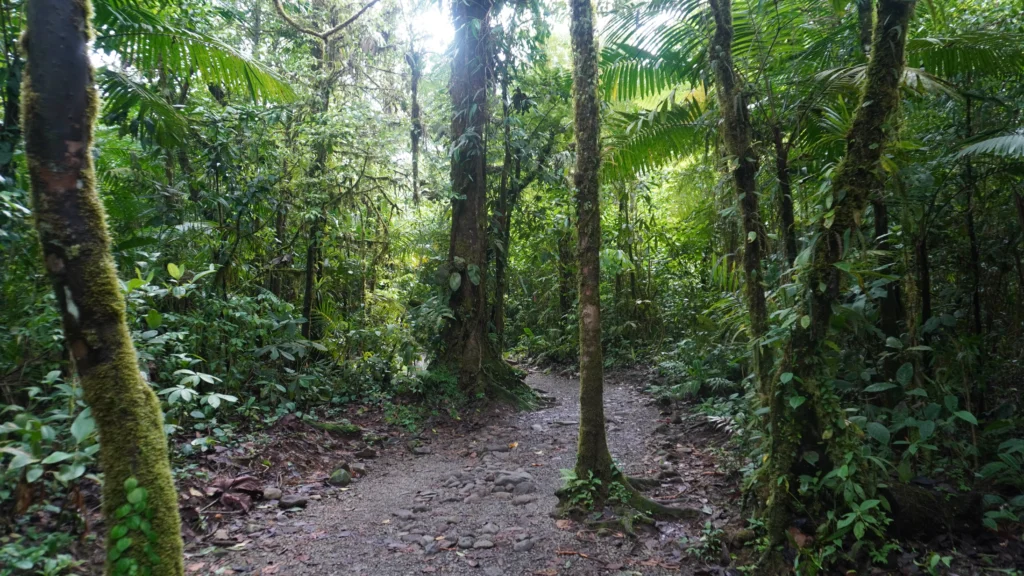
pixel 326 35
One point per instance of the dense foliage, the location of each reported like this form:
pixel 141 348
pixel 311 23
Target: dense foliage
pixel 276 177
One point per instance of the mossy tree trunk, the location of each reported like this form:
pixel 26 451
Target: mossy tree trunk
pixel 811 426
pixel 592 455
pixel 733 105
pixel 465 337
pixel 786 216
pixel 10 132
pixel 59 110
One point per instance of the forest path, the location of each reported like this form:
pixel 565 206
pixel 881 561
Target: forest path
pixel 443 512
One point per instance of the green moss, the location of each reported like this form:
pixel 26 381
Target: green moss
pixel 72 228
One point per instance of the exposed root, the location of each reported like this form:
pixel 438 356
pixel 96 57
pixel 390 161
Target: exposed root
pixel 647 506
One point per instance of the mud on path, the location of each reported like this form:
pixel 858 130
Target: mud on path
pixel 479 501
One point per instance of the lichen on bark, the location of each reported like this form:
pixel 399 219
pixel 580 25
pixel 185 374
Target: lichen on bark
pixel 58 112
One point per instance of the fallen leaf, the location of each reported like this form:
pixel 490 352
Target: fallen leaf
pixel 269 570
pixel 563 524
pixel 196 566
pixel 513 445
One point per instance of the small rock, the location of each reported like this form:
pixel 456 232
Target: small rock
pixel 272 493
pixel 292 501
pixel 465 542
pixel 472 498
pixel 523 545
pixel 403 514
pixel 420 508
pixel 497 448
pixel 421 450
pixel 502 495
pixel 489 528
pixel 524 488
pixel 315 497
pixel 537 428
pixel 357 469
pixel 340 477
pixel 366 453
pixel 524 499
pixel 426 540
pixel 483 544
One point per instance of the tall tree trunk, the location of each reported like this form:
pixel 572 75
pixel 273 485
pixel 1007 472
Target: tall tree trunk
pixel 465 337
pixel 978 391
pixel 798 432
pixel 415 61
pixel 785 197
pixel 11 130
pixel 502 217
pixel 865 24
pixel 592 456
pixel 59 112
pixel 732 102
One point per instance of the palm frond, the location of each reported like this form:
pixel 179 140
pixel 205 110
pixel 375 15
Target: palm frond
pixel 645 140
pixel 979 53
pixel 142 39
pixel 1010 146
pixel 122 95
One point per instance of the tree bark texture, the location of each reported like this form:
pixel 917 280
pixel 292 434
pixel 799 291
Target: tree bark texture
pixel 592 454
pixel 466 336
pixel 59 109
pixel 786 216
pixel 736 128
pixel 799 431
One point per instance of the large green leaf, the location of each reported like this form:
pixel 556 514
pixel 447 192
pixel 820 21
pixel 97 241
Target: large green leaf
pixel 144 40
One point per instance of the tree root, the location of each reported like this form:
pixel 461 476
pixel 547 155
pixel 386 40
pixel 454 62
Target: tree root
pixel 646 505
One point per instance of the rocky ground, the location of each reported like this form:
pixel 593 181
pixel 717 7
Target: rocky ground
pixel 477 498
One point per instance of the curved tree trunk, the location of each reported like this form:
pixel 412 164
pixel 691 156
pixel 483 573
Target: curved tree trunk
pixel 60 104
pixel 592 453
pixel 801 431
pixel 465 337
pixel 732 102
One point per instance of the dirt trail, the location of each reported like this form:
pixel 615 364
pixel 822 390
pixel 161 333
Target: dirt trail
pixel 480 502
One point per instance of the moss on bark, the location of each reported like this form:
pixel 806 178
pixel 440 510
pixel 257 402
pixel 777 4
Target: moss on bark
pixel 733 106
pixel 59 109
pixel 818 424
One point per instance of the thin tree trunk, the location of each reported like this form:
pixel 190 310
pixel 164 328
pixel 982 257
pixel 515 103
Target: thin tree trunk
pixel 465 337
pixel 416 67
pixel 798 432
pixel 733 105
pixel 785 197
pixel 592 455
pixel 501 217
pixel 11 132
pixel 865 24
pixel 60 110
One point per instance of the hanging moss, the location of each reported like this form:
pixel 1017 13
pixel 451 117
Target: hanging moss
pixel 59 108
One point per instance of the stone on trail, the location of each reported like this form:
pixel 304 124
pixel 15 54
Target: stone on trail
pixel 523 545
pixel 403 514
pixel 292 501
pixel 340 477
pixel 483 544
pixel 524 488
pixel 524 499
pixel 271 493
pixel 465 542
pixel 489 528
pixel 366 453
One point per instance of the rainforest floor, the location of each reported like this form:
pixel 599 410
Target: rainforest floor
pixel 473 496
